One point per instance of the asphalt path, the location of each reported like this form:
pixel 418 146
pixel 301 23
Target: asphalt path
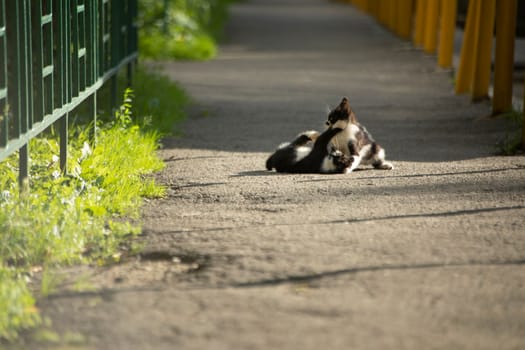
pixel 429 255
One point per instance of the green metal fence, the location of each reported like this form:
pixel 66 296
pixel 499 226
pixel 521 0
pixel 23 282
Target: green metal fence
pixel 54 55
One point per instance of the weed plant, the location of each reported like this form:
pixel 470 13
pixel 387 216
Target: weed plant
pixel 85 215
pixel 512 143
pixel 184 29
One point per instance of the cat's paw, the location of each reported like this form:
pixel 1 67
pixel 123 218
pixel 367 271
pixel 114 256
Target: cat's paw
pixel 385 166
pixel 355 162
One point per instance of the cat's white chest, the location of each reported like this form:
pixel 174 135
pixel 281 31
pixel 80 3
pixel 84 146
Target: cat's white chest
pixel 340 141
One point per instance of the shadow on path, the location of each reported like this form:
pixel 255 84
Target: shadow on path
pixel 336 273
pixel 350 220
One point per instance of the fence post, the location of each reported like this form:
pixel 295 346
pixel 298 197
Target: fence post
pixel 3 78
pixel 18 33
pixel 64 134
pixel 446 33
pixel 504 61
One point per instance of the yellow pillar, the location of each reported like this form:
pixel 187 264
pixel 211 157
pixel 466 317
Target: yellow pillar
pixel 481 78
pixel 384 12
pixel 446 33
pixel 419 32
pixel 374 9
pixel 504 61
pixel 392 16
pixel 431 25
pixel 404 23
pixel 468 56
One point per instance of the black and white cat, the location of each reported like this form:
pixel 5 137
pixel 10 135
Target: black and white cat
pixel 355 141
pixel 300 156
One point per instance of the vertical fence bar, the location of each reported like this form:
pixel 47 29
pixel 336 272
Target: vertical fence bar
pixel 92 61
pixel 26 94
pixel 64 72
pixel 47 62
pixel 504 60
pixel 446 33
pixel 27 57
pixel 64 125
pixel 74 40
pixel 78 40
pixel 20 76
pixel 115 44
pixel 131 37
pixel 82 55
pixel 3 78
pixel 38 56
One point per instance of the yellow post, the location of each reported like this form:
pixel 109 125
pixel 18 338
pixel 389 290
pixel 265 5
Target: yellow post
pixel 468 55
pixel 504 61
pixel 431 25
pixel 384 12
pixel 419 32
pixel 392 15
pixel 374 9
pixel 446 33
pixel 481 78
pixel 404 15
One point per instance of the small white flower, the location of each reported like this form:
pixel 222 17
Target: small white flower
pixel 86 151
pixel 56 174
pixel 6 195
pixel 55 158
pixel 77 170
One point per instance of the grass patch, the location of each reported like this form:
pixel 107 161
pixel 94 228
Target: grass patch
pixel 158 103
pixel 512 143
pixel 185 29
pixel 86 215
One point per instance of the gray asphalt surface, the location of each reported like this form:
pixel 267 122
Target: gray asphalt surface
pixel 429 255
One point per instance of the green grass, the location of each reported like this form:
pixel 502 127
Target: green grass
pixel 158 103
pixel 512 143
pixel 86 215
pixel 189 29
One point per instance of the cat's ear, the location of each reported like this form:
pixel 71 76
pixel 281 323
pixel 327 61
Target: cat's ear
pixel 345 106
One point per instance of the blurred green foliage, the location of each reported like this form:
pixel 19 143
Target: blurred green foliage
pixel 181 29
